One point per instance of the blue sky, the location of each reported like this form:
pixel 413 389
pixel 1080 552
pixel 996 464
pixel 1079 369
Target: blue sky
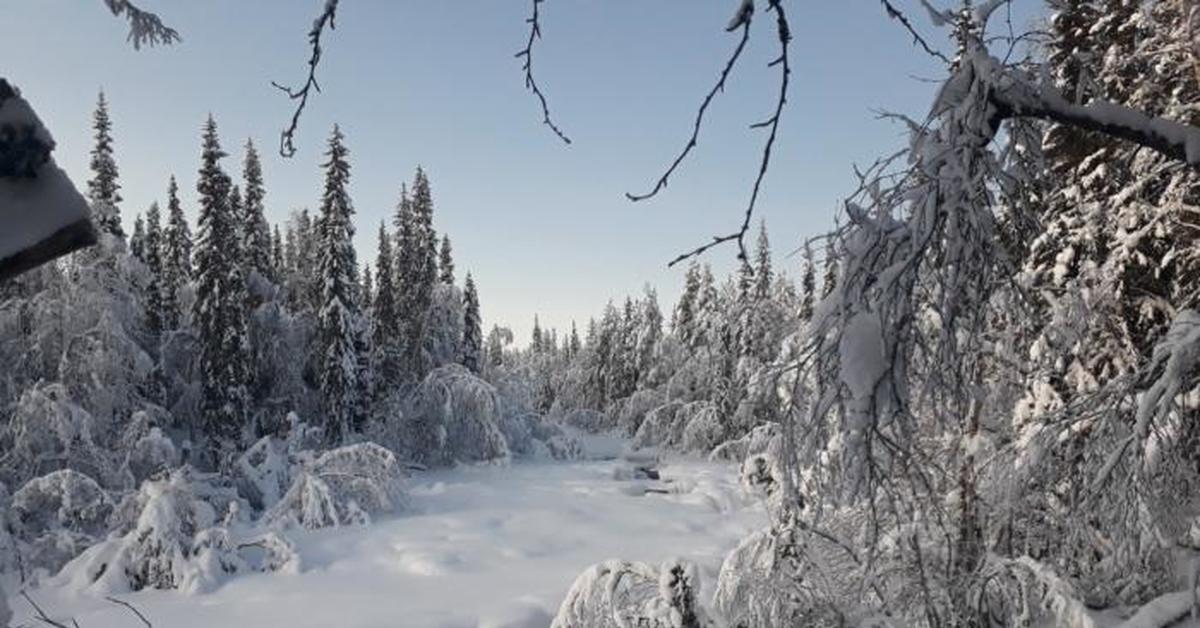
pixel 545 228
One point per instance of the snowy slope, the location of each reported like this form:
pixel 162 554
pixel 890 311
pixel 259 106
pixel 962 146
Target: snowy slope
pixel 485 546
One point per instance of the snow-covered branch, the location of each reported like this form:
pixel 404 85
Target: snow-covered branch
pixel 145 28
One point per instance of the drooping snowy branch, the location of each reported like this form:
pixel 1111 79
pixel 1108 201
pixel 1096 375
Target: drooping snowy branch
pixel 287 146
pixel 145 28
pixel 526 53
pixel 918 39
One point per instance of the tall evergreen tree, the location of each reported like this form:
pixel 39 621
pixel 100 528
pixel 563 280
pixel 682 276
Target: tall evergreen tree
pixel 220 308
pixel 278 264
pixel 808 285
pixel 684 319
pixel 103 188
pixel 573 345
pixel 446 262
pixel 137 241
pixel 337 320
pixel 416 272
pixel 255 233
pixel 385 341
pixel 535 340
pixel 154 250
pixel 177 257
pixel 763 276
pixel 472 345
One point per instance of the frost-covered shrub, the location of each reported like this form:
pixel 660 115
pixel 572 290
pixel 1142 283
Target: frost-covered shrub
pixel 624 594
pixel 57 516
pixel 532 436
pixel 634 409
pixel 48 432
pixel 586 420
pixel 756 581
pixel 703 430
pixel 264 472
pixel 150 455
pixel 454 417
pixel 661 427
pixel 345 486
pixel 757 441
pixel 159 530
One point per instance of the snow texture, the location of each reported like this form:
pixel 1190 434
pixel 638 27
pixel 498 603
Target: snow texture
pixel 479 546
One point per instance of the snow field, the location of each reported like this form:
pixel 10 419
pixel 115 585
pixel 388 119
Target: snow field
pixel 482 547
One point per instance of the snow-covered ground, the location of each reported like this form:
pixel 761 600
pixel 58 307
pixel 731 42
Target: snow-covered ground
pixel 482 546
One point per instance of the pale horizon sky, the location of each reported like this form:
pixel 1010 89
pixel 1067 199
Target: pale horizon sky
pixel 544 227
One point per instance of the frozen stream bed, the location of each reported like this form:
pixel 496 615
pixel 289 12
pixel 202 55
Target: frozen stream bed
pixel 480 547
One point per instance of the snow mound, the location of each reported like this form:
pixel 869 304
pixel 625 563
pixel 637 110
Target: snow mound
pixel 57 516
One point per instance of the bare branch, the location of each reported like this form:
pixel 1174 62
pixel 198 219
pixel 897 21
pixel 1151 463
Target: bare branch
pixel 784 33
pixel 145 28
pixel 287 147
pixel 744 24
pixel 918 40
pixel 41 615
pixel 132 609
pixel 535 33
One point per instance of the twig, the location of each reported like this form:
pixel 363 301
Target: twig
pixel 784 32
pixel 897 15
pixel 132 609
pixel 287 147
pixel 535 33
pixel 41 615
pixel 744 25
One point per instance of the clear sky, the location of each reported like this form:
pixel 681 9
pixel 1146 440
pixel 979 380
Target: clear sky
pixel 544 227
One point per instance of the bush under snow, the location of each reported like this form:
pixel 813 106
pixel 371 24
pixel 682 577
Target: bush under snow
pixel 455 417
pixel 57 516
pixel 344 486
pixel 625 594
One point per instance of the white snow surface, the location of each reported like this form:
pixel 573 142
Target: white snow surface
pixel 486 547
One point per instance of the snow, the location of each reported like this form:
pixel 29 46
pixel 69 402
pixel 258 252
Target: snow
pixel 46 203
pixel 482 546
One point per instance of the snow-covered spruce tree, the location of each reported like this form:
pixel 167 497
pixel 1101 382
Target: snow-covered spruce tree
pixel 416 272
pixel 255 235
pixel 472 342
pixel 386 352
pixel 103 188
pixel 137 241
pixel 176 257
pixel 219 311
pixel 338 317
pixel 278 265
pixel 446 262
pixel 153 255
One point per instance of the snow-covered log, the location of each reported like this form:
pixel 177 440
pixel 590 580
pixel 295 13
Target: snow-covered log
pixel 44 216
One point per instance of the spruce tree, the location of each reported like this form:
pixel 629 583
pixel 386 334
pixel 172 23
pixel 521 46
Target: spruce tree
pixel 416 272
pixel 446 262
pixel 153 252
pixel 385 340
pixel 366 293
pixel 472 345
pixel 763 275
pixel 219 310
pixel 278 265
pixel 535 341
pixel 338 316
pixel 103 188
pixel 573 345
pixel 684 319
pixel 255 233
pixel 177 257
pixel 137 241
pixel 808 285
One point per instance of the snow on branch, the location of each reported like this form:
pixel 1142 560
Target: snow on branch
pixel 287 146
pixel 526 53
pixel 145 28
